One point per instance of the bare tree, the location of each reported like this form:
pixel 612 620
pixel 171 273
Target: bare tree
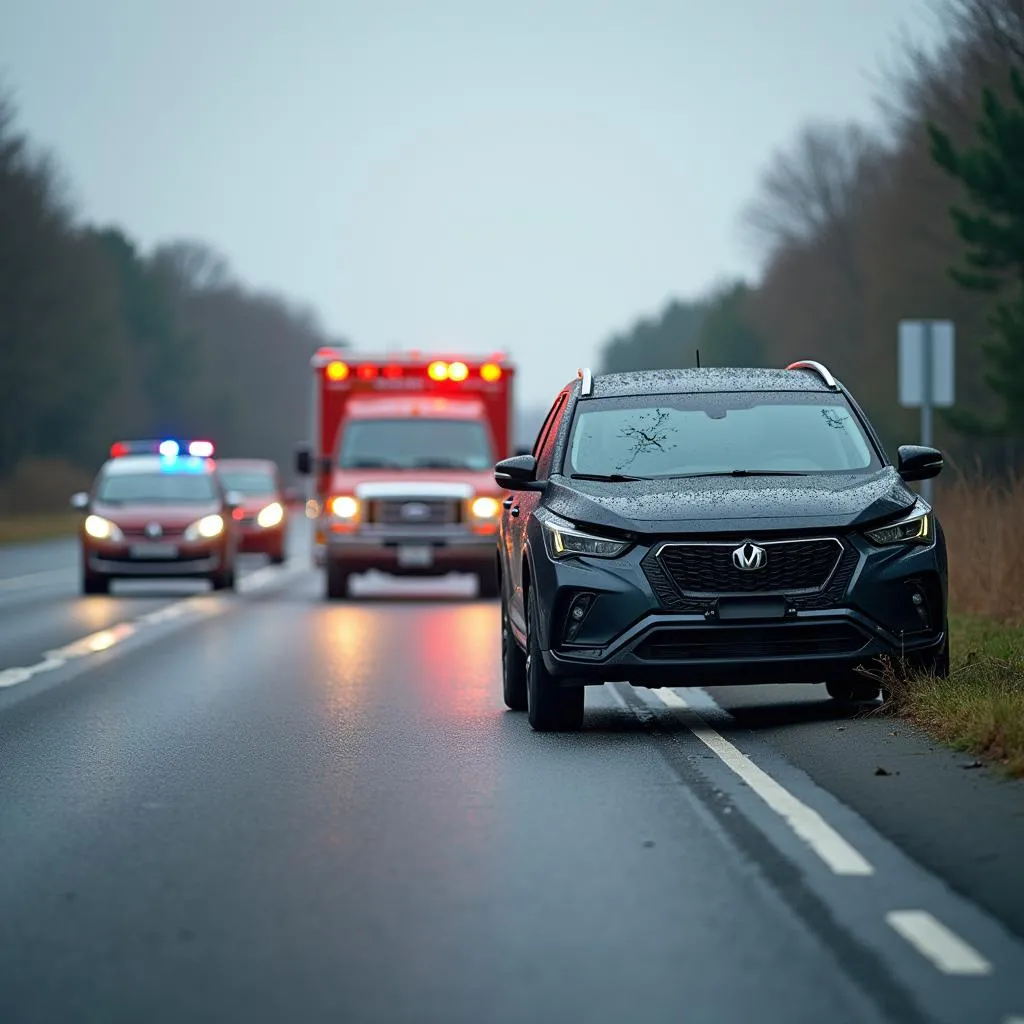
pixel 815 188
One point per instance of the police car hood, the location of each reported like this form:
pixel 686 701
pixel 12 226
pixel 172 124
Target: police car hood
pixel 732 504
pixel 169 515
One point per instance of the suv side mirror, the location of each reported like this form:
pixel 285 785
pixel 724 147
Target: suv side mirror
pixel 523 451
pixel 916 462
pixel 518 474
pixel 80 500
pixel 303 460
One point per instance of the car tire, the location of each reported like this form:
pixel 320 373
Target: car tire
pixel 513 667
pixel 853 692
pixel 224 580
pixel 488 584
pixel 92 583
pixel 336 582
pixel 550 707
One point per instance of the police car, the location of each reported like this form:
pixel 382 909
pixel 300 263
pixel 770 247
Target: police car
pixel 158 509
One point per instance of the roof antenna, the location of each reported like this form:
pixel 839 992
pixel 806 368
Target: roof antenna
pixel 698 359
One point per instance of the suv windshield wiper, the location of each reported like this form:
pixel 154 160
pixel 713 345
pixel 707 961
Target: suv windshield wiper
pixel 614 478
pixel 739 472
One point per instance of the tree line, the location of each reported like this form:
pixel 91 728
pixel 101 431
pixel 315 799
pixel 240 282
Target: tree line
pixel 100 340
pixel 859 228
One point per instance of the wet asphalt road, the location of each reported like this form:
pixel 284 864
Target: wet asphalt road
pixel 263 807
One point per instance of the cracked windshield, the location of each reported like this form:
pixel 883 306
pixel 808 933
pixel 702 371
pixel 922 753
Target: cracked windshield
pixel 512 512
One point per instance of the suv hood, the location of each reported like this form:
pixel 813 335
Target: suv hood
pixel 732 504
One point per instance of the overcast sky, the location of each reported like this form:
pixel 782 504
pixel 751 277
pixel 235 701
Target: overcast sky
pixel 463 174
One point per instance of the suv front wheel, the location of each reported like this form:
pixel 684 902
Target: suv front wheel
pixel 550 707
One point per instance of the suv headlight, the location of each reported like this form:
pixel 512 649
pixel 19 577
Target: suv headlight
pixel 564 540
pixel 916 528
pixel 206 528
pixel 102 529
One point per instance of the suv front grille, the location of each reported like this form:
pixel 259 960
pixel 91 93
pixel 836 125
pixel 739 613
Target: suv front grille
pixel 700 569
pixel 414 512
pixel 711 642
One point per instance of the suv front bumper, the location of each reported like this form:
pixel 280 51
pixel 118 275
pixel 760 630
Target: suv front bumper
pixel 877 603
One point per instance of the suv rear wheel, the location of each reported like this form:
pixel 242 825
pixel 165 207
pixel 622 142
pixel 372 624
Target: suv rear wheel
pixel 551 708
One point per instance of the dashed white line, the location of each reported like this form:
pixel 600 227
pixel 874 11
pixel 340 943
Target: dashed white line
pixel 824 840
pixel 932 939
pixel 204 604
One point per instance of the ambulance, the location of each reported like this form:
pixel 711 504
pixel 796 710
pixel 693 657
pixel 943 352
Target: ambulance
pixel 402 464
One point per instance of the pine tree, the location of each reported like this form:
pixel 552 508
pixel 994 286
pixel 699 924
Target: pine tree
pixel 992 174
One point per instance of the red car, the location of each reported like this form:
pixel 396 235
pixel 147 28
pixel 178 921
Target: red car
pixel 158 509
pixel 263 516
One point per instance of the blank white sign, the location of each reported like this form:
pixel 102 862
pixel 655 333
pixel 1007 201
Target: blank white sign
pixel 912 361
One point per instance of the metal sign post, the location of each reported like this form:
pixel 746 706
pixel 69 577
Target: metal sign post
pixel 927 370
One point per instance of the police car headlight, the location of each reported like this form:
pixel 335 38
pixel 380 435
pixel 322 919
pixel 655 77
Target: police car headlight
pixel 102 529
pixel 206 528
pixel 564 540
pixel 271 515
pixel 917 528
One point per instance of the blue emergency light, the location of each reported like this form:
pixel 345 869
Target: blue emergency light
pixel 169 448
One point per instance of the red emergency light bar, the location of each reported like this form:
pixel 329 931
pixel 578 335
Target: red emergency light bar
pixel 169 447
pixel 456 370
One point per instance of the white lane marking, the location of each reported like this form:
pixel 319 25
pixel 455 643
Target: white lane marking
pixel 932 939
pixel 205 604
pixel 826 842
pixel 32 579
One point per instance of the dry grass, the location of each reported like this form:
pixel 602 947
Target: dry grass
pixel 980 707
pixel 34 501
pixel 23 529
pixel 984 524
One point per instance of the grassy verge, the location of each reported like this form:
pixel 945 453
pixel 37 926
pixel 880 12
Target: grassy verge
pixel 22 529
pixel 980 707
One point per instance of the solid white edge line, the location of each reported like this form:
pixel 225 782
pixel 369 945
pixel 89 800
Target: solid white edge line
pixel 824 840
pixel 31 578
pixel 933 940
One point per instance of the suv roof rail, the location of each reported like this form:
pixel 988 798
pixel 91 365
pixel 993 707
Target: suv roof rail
pixel 588 380
pixel 818 368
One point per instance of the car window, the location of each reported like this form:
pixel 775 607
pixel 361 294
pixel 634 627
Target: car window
pixel 257 482
pixel 416 443
pixel 157 488
pixel 546 454
pixel 546 426
pixel 666 435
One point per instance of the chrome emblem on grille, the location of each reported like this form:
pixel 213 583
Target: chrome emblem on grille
pixel 749 557
pixel 154 530
pixel 415 510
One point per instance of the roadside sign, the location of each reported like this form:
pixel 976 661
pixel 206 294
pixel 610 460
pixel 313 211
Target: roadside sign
pixel 927 345
pixel 926 361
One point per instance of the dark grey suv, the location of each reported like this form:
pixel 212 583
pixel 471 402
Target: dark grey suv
pixel 714 526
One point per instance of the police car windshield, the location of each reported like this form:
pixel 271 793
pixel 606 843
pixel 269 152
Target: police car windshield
pixel 751 433
pixel 418 443
pixel 157 489
pixel 248 481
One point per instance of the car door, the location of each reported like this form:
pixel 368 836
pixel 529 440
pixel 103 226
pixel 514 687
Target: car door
pixel 524 503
